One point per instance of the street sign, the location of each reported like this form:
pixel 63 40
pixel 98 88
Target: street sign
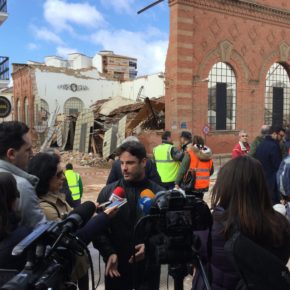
pixel 205 130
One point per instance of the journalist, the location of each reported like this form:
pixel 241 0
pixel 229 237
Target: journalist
pixel 241 202
pixel 11 232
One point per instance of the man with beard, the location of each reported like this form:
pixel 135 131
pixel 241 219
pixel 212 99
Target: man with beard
pixel 117 244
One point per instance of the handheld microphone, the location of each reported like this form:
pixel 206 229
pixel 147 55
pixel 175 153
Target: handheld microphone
pixel 146 200
pixel 78 217
pixel 118 194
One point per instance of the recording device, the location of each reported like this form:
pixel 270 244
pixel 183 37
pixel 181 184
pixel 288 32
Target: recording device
pixel 170 225
pixel 117 198
pixel 117 203
pixel 146 200
pixel 117 194
pixel 51 250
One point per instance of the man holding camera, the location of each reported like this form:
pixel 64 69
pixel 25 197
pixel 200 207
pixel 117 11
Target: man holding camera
pixel 119 243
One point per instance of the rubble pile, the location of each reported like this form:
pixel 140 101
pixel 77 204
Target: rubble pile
pixel 111 121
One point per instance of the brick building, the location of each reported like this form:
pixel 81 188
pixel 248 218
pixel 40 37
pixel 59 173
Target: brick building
pixel 227 67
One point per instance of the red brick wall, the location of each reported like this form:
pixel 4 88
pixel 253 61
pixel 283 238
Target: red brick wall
pixel 204 32
pixel 284 4
pixel 22 88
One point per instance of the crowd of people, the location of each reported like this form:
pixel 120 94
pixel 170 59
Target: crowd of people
pixel 35 189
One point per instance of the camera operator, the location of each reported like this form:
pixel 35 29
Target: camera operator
pixel 11 233
pixel 116 246
pixel 241 202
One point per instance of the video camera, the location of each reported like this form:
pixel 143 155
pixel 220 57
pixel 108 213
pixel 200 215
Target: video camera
pixel 51 252
pixel 170 227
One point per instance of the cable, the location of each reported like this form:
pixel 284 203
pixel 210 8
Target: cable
pixel 100 272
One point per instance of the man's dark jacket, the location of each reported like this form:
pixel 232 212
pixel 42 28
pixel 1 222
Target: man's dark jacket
pixel 269 154
pixel 150 172
pixel 119 237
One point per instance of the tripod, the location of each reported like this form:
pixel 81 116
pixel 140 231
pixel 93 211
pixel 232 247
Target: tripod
pixel 179 271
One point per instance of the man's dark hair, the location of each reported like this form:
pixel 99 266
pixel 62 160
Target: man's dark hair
pixel 11 136
pixel 166 135
pixel 186 135
pixel 275 129
pixel 44 166
pixel 136 149
pixel 69 166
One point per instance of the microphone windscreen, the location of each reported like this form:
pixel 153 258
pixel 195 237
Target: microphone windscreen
pixel 119 191
pixel 85 211
pixel 145 204
pixel 147 193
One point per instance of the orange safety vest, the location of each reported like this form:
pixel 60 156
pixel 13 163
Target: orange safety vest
pixel 202 171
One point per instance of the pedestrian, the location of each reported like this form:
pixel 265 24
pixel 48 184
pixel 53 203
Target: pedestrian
pixel 269 154
pixel 150 168
pixel 242 148
pixel 15 152
pixel 167 159
pixel 118 243
pixel 258 140
pixel 75 185
pixel 197 161
pixel 240 202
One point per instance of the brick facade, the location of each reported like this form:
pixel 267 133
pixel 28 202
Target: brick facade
pixel 249 37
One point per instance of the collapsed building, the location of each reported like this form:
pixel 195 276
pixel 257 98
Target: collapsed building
pixel 72 105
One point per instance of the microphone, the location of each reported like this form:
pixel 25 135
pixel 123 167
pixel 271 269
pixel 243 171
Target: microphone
pixel 146 200
pixel 118 194
pixel 78 217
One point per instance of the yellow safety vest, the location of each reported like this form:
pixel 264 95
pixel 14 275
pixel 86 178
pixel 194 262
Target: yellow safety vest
pixel 166 166
pixel 73 183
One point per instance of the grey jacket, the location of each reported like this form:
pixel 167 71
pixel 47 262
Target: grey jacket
pixel 28 204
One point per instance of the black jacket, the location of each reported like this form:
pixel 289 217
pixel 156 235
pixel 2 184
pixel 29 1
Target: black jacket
pixel 18 233
pixel 119 237
pixel 150 172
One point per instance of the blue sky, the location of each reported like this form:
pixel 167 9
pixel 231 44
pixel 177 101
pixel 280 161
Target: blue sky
pixel 39 28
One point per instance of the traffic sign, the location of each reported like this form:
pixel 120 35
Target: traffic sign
pixel 205 130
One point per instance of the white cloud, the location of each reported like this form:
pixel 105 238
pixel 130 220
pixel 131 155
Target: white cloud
pixel 64 51
pixel 43 33
pixel 150 51
pixel 32 46
pixel 61 14
pixel 119 5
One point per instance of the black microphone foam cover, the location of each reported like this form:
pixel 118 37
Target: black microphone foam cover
pixel 85 211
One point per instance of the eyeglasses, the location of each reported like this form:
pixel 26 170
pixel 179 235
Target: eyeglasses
pixel 59 174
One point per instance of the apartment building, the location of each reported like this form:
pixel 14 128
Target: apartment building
pixel 118 67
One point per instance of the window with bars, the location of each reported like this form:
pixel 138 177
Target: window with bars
pixel 44 110
pixel 73 106
pixel 222 97
pixel 277 96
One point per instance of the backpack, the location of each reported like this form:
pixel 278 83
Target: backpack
pixel 259 268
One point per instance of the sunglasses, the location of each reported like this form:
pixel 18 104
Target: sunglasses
pixel 244 135
pixel 59 174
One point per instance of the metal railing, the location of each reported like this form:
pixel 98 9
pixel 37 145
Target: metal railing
pixel 4 68
pixel 3 6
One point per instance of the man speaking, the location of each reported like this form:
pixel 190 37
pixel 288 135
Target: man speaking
pixel 116 245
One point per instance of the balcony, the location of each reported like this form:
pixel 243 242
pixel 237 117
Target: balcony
pixel 3 11
pixel 4 71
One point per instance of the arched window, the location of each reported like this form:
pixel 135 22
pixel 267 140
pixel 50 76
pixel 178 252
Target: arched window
pixel 222 97
pixel 16 109
pixel 277 96
pixel 73 106
pixel 26 111
pixel 44 110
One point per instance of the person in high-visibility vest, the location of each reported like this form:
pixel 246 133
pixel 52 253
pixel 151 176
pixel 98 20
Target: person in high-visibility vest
pixel 198 158
pixel 75 185
pixel 167 159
